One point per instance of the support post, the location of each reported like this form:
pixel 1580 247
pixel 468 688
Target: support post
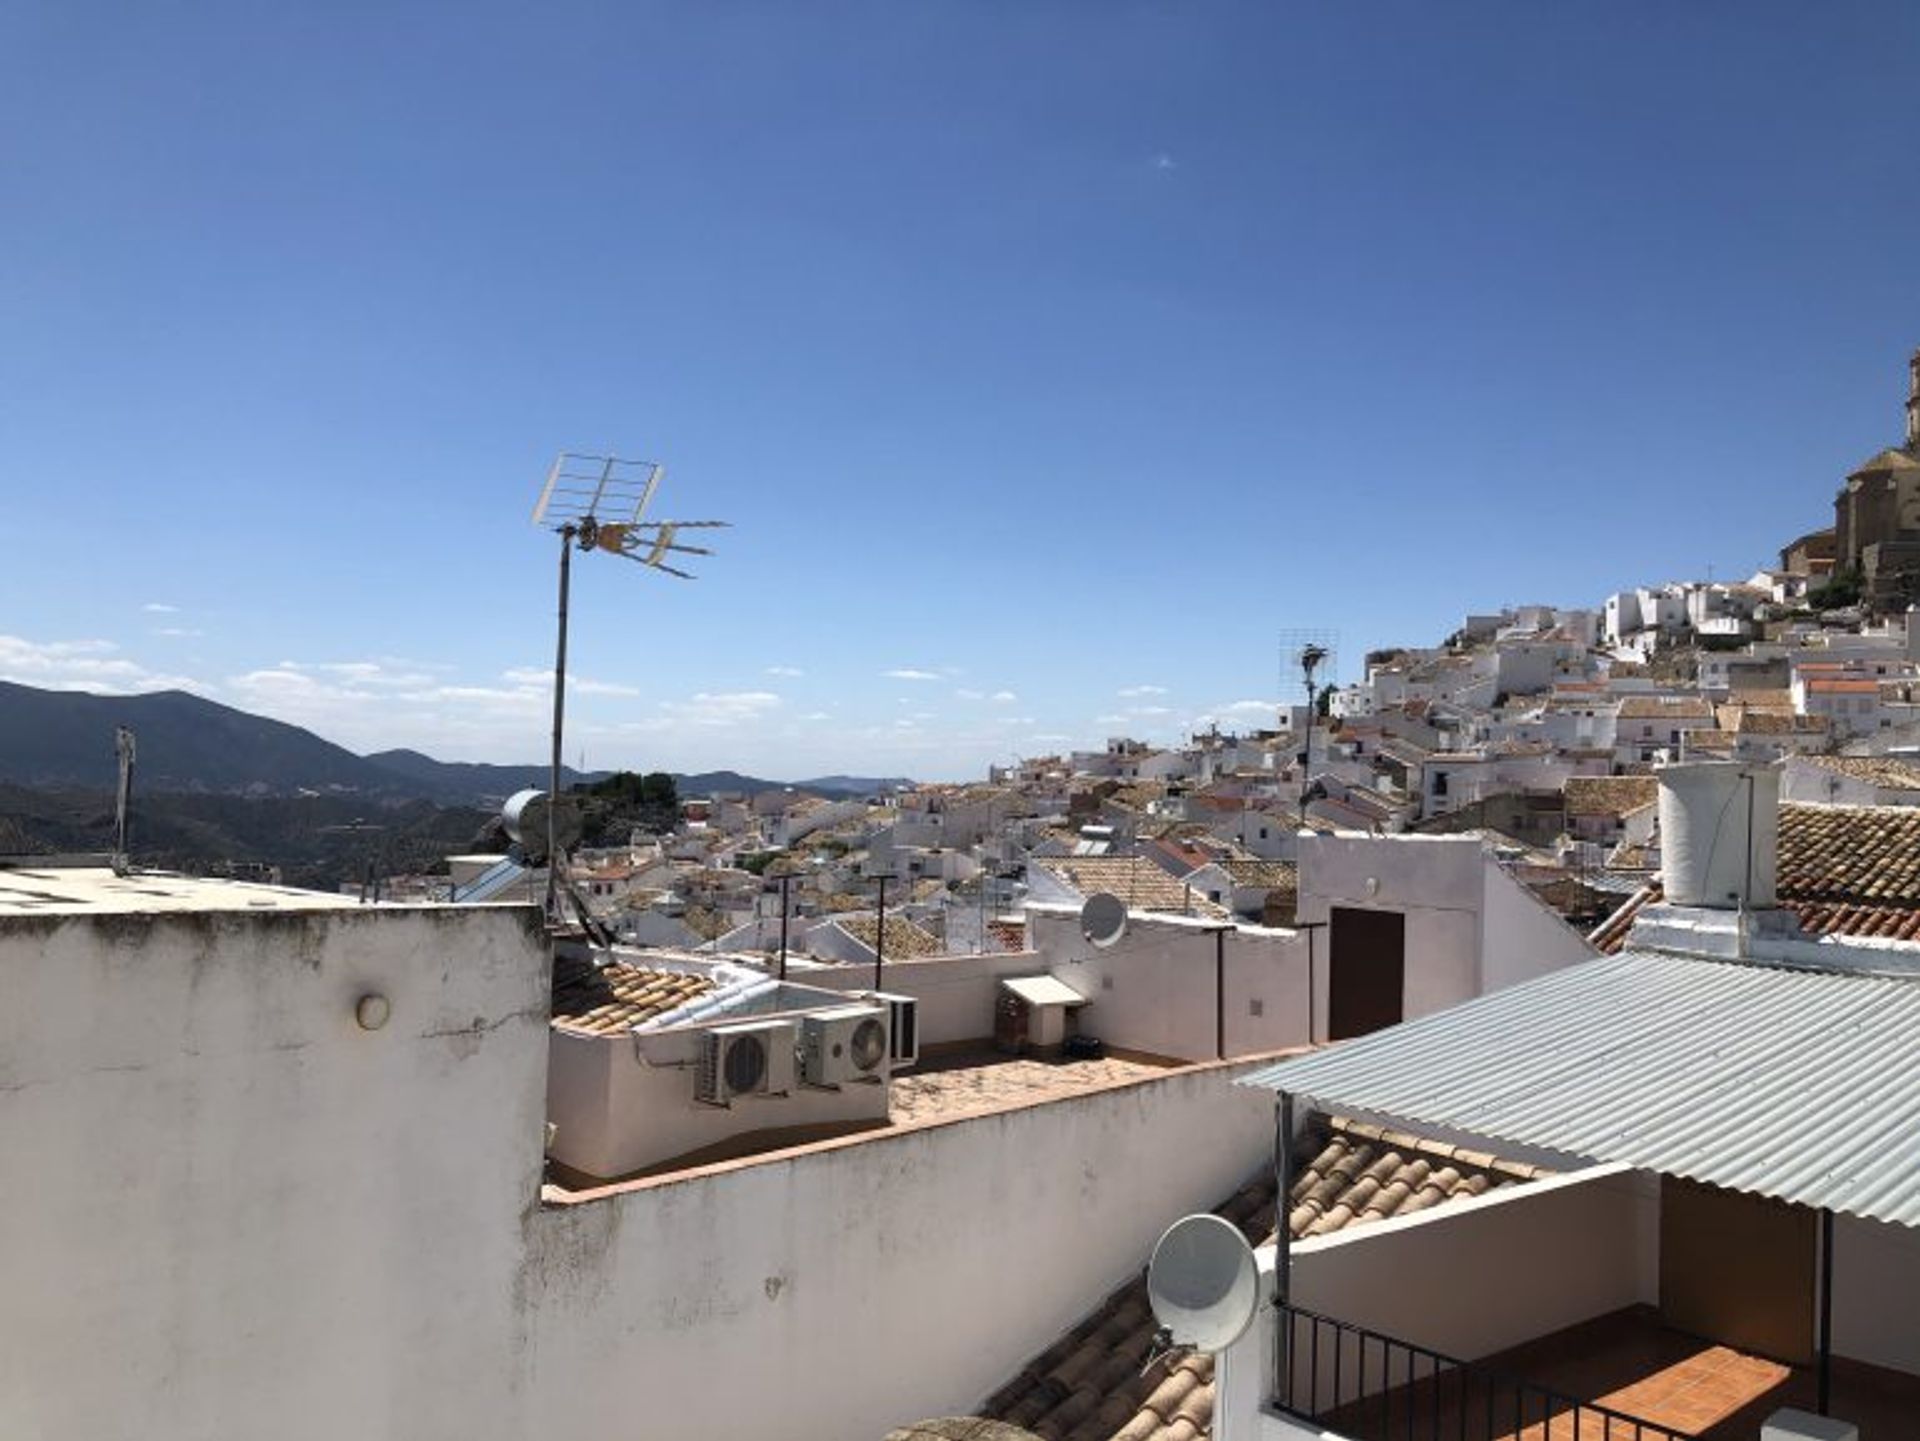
pixel 1282 1250
pixel 786 880
pixel 880 932
pixel 1220 991
pixel 567 533
pixel 1826 1310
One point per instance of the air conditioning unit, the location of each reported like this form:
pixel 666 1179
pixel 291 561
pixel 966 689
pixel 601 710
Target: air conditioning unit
pixel 754 1058
pixel 843 1044
pixel 903 1026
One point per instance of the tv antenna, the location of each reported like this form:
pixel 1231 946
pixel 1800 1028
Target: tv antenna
pixel 599 502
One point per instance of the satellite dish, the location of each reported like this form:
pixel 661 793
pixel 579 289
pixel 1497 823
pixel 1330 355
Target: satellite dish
pixel 1103 919
pixel 1203 1283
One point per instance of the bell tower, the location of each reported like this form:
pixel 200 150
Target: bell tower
pixel 1913 405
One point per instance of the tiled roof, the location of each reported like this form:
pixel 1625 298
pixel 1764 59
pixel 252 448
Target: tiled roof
pixel 1774 723
pixel 1089 1386
pixel 1886 462
pixel 905 940
pixel 1659 707
pixel 1843 870
pixel 1275 875
pixel 1609 795
pixel 606 1000
pixel 1875 770
pixel 1856 854
pixel 1138 882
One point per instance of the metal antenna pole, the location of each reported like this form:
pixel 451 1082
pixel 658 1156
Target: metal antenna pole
pixel 786 879
pixel 567 534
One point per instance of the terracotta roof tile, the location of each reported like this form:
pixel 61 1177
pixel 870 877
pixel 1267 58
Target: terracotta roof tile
pixel 1875 770
pixel 1137 881
pixel 1088 1385
pixel 606 1000
pixel 1656 707
pixel 1609 795
pixel 905 940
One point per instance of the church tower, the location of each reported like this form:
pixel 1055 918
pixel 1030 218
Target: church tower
pixel 1913 404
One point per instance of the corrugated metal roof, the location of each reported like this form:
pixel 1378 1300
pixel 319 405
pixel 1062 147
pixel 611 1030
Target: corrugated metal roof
pixel 1802 1085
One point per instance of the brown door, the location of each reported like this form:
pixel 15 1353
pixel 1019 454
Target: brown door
pixel 1367 975
pixel 1738 1269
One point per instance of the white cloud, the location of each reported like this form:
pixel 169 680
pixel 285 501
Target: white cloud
pixel 1133 692
pixel 1149 712
pixel 1048 738
pixel 1003 697
pixel 156 607
pixel 179 632
pixel 89 665
pixel 908 673
pixel 1251 708
pixel 970 695
pixel 576 684
pixel 788 671
pixel 817 715
pixel 1109 720
pixel 722 708
pixel 1164 161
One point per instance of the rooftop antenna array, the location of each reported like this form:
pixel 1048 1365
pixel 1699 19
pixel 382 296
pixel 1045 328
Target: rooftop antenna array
pixel 599 502
pixel 1306 657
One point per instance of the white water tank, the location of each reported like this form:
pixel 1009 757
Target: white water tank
pixel 1719 834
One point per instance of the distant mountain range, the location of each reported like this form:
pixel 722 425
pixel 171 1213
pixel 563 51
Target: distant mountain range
pixel 187 744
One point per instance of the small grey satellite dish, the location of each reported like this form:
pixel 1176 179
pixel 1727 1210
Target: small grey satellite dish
pixel 1103 919
pixel 1203 1283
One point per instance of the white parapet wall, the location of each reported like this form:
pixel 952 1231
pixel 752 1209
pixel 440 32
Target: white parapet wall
pixel 230 1209
pixel 844 1289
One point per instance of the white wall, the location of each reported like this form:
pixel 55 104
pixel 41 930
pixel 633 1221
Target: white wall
pixel 230 1211
pixel 957 994
pixel 840 1291
pixel 1470 927
pixel 1523 937
pixel 622 1103
pixel 1154 990
pixel 1563 1250
pixel 1876 1276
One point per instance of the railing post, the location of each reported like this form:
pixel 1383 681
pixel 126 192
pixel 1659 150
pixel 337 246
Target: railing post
pixel 1282 1251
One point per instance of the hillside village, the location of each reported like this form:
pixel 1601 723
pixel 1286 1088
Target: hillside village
pixel 1537 729
pixel 1579 949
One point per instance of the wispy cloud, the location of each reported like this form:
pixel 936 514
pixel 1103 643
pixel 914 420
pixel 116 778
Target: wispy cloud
pixel 178 632
pixel 1003 697
pixel 1164 161
pixel 89 665
pixel 789 671
pixel 578 684
pixel 1133 692
pixel 909 673
pixel 156 607
pixel 1244 708
pixel 970 695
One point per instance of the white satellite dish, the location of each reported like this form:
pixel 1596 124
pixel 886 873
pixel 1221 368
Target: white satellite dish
pixel 1103 919
pixel 1203 1283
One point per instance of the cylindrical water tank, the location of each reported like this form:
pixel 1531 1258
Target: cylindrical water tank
pixel 525 817
pixel 1719 834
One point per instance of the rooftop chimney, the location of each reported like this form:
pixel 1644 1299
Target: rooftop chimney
pixel 1719 834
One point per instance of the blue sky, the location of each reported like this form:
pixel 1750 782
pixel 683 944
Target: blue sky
pixel 1049 359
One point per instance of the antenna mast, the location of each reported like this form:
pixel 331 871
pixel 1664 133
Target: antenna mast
pixel 599 502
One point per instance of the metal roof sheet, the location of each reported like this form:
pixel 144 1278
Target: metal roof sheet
pixel 1043 991
pixel 1801 1085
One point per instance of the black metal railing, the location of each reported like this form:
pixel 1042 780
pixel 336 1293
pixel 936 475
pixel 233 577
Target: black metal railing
pixel 1371 1387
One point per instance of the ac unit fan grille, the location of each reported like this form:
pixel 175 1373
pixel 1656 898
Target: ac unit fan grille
pixel 746 1064
pixel 869 1044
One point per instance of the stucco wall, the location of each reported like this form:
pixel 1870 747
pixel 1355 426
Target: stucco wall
pixel 1468 1280
pixel 229 1210
pixel 622 1103
pixel 1876 1276
pixel 839 1291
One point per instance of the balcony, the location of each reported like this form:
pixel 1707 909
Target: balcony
pixel 1535 1313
